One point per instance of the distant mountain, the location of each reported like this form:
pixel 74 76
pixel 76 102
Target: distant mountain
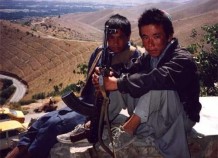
pixel 193 8
pixel 179 11
pixel 19 9
pixel 13 10
pixel 134 2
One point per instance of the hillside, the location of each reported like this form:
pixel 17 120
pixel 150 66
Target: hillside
pixel 193 8
pixel 42 61
pixel 46 51
pixel 184 27
pixel 186 16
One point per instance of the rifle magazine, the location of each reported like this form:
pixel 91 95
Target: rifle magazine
pixel 79 105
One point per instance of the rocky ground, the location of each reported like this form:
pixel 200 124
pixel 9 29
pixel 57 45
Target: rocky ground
pixel 204 147
pixel 200 146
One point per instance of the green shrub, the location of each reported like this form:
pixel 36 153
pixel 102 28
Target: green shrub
pixel 39 96
pixel 2 101
pixel 83 69
pixel 6 93
pixel 6 83
pixel 26 102
pixel 206 56
pixel 75 87
pixel 72 87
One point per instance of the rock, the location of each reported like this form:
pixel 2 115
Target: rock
pixel 205 147
pixel 66 151
pixel 86 150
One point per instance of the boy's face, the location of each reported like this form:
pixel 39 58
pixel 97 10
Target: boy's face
pixel 118 41
pixel 154 39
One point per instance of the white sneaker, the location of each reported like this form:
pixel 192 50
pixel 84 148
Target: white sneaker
pixel 65 138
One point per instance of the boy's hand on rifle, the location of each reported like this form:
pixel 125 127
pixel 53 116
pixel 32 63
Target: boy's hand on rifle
pixel 110 82
pixel 95 81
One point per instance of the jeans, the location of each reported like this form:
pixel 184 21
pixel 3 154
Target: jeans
pixel 41 136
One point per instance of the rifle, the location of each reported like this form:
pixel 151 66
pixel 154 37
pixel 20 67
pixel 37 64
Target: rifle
pixel 97 112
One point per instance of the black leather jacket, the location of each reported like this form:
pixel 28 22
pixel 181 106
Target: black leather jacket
pixel 175 71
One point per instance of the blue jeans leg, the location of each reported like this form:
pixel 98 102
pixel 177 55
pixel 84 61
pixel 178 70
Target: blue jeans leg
pixel 48 127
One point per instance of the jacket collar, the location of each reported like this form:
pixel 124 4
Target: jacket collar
pixel 154 61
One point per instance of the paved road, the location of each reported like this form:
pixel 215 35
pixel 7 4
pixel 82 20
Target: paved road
pixel 20 88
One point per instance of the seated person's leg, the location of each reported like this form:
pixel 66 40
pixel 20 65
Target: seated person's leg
pixel 118 102
pixel 161 113
pixel 164 108
pixel 140 114
pixel 165 121
pixel 28 137
pixel 47 134
pixel 18 152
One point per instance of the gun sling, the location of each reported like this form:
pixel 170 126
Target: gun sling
pixel 97 112
pixel 74 102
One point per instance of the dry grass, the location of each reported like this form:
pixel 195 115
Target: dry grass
pixel 41 62
pixel 184 27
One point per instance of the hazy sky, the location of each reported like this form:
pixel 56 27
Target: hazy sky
pixel 117 1
pixel 137 0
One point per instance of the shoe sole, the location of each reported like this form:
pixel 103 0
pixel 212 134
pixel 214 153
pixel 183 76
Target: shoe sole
pixel 60 140
pixel 70 142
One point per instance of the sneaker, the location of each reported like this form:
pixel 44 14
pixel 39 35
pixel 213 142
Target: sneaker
pixel 78 134
pixel 121 139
